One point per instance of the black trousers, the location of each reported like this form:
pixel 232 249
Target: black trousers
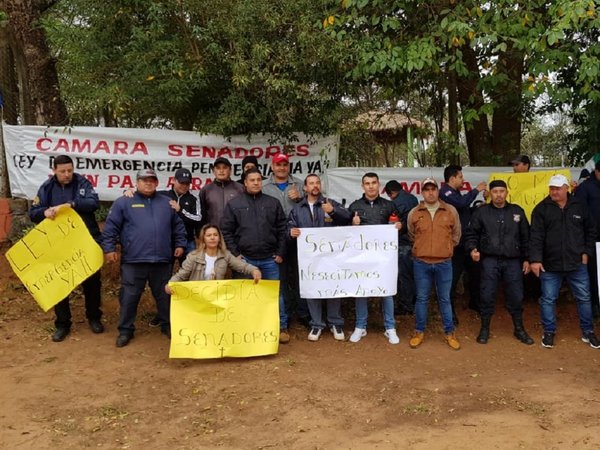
pixel 509 272
pixel 133 283
pixel 91 292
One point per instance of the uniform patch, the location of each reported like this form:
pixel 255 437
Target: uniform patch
pixel 82 192
pixel 576 216
pixel 448 193
pixel 36 201
pixel 517 217
pixel 138 205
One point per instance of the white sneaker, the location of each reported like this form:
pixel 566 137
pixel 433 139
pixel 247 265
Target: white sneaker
pixel 392 336
pixel 315 334
pixel 358 334
pixel 338 332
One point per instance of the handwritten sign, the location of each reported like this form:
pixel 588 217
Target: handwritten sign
pixel 528 189
pixel 353 261
pixel 224 318
pixel 55 257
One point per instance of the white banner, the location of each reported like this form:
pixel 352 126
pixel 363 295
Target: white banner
pixel 344 183
pixel 110 157
pixel 351 261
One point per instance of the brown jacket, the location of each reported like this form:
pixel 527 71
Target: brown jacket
pixel 433 240
pixel 194 265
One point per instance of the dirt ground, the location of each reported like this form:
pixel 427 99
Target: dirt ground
pixel 86 393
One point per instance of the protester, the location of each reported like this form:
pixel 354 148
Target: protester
pixel 286 188
pixel 589 193
pixel 404 202
pixel 67 189
pixel 148 229
pixel 316 211
pixel 520 164
pixel 186 205
pixel 215 196
pixel 434 228
pixel 450 193
pixel 249 162
pixel 563 236
pixel 254 228
pixel 371 209
pixel 212 260
pixel 498 237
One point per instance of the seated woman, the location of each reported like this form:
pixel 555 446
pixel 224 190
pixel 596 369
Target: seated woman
pixel 211 260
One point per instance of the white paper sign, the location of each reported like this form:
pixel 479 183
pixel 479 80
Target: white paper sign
pixel 351 261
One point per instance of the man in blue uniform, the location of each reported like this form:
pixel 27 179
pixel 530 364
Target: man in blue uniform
pixel 148 228
pixel 67 189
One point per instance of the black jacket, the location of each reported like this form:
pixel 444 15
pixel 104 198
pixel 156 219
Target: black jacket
pixel 589 193
pixel 190 212
pixel 376 212
pixel 560 236
pixel 254 226
pixel 499 231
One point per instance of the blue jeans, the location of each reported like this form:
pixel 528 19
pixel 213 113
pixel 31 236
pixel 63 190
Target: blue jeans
pixel 270 271
pixel 334 312
pixel 425 275
pixel 387 307
pixel 579 282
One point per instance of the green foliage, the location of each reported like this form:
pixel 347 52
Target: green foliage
pixel 226 66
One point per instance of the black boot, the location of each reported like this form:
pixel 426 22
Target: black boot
pixel 520 332
pixel 484 333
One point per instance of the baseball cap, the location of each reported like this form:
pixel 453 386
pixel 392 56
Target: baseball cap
pixel 183 175
pixel 392 186
pixel 222 160
pixel 558 181
pixel 427 181
pixel 520 159
pixel 146 173
pixel 280 157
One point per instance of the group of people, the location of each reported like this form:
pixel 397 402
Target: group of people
pixel 248 229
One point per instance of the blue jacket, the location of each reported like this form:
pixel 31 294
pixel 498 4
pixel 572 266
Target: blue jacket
pixel 147 228
pixel 404 202
pixel 462 203
pixel 79 192
pixel 301 217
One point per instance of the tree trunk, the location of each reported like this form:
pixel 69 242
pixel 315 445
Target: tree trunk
pixel 40 80
pixel 508 113
pixel 452 107
pixel 477 130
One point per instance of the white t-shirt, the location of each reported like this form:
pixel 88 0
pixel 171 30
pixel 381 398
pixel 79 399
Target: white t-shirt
pixel 209 272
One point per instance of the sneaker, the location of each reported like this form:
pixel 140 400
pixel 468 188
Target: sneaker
pixel 590 338
pixel 452 341
pixel 417 339
pixel 338 332
pixel 155 322
pixel 548 340
pixel 358 334
pixel 392 336
pixel 284 337
pixel 315 334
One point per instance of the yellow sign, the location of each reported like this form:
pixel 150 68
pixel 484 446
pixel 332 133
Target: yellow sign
pixel 528 189
pixel 55 257
pixel 224 318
